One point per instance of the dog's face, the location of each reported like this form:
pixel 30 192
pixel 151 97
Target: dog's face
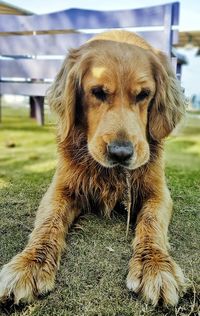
pixel 117 89
pixel 126 95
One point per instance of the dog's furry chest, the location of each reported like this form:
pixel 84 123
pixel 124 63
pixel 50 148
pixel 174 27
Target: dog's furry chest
pixel 100 189
pixel 106 194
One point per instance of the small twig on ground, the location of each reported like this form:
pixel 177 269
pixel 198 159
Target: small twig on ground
pixel 194 300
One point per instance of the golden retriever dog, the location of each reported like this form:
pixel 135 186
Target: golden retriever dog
pixel 116 98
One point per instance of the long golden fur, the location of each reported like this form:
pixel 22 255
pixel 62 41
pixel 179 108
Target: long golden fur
pixel 116 98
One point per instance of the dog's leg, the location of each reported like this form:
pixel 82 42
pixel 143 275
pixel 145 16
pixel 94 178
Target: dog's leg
pixel 152 271
pixel 32 272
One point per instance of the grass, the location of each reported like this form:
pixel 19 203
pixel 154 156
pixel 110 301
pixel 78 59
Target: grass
pixel 91 280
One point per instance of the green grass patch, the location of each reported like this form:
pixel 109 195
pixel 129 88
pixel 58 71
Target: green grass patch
pixel 91 279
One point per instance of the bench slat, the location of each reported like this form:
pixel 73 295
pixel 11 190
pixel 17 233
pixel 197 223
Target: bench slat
pixel 30 68
pixel 41 44
pixel 89 19
pixel 60 43
pixel 26 89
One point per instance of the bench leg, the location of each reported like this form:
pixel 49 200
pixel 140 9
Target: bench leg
pixel 37 109
pixel 32 108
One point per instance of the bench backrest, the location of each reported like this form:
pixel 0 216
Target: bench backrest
pixel 32 47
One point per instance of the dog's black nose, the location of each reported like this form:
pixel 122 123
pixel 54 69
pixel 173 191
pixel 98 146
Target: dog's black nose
pixel 120 151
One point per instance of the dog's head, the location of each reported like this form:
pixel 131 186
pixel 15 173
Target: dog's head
pixel 122 93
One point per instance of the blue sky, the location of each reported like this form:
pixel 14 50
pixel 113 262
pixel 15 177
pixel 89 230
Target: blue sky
pixel 189 14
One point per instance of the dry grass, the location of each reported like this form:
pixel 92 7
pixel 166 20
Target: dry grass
pixel 91 280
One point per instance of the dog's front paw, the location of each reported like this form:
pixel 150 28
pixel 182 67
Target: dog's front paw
pixel 24 278
pixel 156 276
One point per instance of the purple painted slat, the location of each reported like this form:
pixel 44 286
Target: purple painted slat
pixel 59 44
pixel 27 89
pixel 175 13
pixel 89 19
pixel 168 31
pixel 41 44
pixel 159 40
pixel 174 63
pixel 30 68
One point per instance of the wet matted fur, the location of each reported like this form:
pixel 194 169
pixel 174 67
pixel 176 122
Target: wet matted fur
pixel 116 98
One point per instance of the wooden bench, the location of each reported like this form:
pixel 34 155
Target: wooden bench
pixel 33 47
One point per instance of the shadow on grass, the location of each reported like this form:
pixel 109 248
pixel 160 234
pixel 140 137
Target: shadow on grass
pixel 30 161
pixel 17 119
pixel 20 199
pixel 10 309
pixel 29 128
pixel 183 146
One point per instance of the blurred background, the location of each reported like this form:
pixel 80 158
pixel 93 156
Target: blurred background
pixel 187 47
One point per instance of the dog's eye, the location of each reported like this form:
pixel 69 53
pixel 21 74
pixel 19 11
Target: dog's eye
pixel 99 93
pixel 142 95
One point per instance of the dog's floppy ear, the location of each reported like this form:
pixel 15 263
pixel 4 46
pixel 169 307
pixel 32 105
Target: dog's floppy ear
pixel 168 104
pixel 62 94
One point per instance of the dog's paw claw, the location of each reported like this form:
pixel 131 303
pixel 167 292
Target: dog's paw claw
pixel 155 281
pixel 22 280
